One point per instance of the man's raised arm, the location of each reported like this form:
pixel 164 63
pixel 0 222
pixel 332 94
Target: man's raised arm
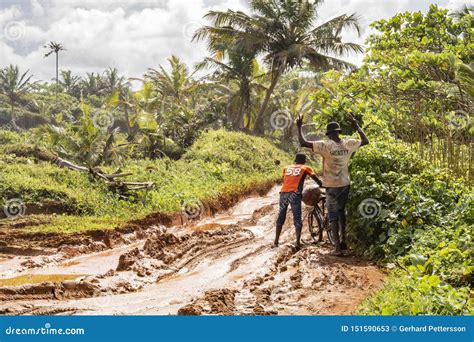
pixel 363 138
pixel 302 140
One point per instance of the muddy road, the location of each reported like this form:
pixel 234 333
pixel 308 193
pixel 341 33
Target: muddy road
pixel 218 265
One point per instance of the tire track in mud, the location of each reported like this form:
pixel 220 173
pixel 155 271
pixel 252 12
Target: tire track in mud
pixel 227 269
pixel 306 282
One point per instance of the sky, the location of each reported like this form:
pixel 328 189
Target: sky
pixel 136 35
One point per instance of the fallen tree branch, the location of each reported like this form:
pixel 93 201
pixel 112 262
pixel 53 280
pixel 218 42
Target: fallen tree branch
pixel 122 187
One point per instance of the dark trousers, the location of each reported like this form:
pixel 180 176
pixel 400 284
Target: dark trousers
pixel 336 199
pixel 293 199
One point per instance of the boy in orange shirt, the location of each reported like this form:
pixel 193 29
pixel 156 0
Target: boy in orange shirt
pixel 290 194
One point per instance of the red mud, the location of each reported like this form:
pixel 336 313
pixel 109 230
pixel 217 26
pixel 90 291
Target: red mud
pixel 221 265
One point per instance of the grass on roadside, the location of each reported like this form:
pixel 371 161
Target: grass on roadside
pixel 219 165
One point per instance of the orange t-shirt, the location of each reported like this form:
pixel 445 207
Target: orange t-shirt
pixel 293 177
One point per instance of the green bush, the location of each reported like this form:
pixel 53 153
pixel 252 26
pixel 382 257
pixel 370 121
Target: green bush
pixel 34 183
pixel 418 294
pixel 421 220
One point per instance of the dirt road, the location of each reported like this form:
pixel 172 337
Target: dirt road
pixel 219 265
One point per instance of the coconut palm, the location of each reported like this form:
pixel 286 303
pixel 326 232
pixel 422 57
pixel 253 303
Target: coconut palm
pixel 176 89
pixel 112 81
pixel 55 47
pixel 91 84
pixel 178 83
pixel 70 83
pixel 237 71
pixel 285 34
pixel 13 86
pixel 293 99
pixel 233 64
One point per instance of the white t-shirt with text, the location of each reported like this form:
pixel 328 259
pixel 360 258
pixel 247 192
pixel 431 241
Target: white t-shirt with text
pixel 336 158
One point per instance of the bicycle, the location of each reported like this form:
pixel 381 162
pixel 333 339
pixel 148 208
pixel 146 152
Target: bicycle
pixel 318 221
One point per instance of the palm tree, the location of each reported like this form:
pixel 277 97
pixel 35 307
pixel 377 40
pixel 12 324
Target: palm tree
pixel 178 83
pixel 55 47
pixel 176 88
pixel 91 84
pixel 180 100
pixel 70 83
pixel 229 73
pixel 284 33
pixel 293 98
pixel 233 64
pixel 13 86
pixel 112 81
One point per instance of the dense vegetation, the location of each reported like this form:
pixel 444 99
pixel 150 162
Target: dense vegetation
pixel 218 165
pixel 194 138
pixel 405 212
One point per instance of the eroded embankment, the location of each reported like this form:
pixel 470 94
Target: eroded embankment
pixel 17 239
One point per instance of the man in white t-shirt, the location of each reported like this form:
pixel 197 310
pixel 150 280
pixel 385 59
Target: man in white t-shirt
pixel 336 153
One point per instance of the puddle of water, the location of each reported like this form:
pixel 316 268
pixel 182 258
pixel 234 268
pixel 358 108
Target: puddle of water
pixel 178 276
pixel 70 263
pixel 238 277
pixel 37 278
pixel 207 226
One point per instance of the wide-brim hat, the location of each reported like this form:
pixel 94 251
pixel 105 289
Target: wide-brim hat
pixel 333 127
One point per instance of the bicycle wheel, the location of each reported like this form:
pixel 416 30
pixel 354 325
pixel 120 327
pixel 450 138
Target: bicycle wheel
pixel 316 224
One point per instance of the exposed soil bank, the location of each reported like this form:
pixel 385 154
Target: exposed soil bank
pixel 17 241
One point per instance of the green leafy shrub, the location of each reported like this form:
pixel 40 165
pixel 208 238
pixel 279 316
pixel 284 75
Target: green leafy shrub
pixel 418 294
pixel 421 220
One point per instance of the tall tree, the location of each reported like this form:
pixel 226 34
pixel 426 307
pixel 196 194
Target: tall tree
pixel 233 64
pixel 13 85
pixel 237 69
pixel 284 33
pixel 177 83
pixel 55 47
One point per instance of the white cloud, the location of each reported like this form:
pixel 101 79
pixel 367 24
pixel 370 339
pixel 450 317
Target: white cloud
pixel 36 8
pixel 8 14
pixel 136 35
